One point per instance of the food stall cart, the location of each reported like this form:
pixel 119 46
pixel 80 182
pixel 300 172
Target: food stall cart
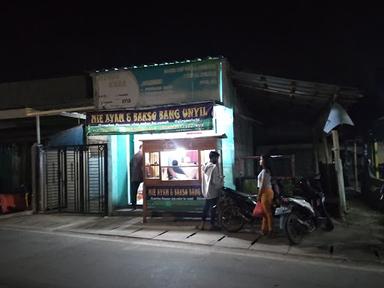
pixel 173 174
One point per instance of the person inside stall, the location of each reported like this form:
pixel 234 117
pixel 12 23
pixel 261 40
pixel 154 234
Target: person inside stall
pixel 175 172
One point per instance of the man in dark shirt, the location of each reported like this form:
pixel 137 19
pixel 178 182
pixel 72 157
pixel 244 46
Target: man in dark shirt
pixel 136 174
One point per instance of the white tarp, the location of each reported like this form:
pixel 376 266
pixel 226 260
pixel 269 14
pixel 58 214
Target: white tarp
pixel 336 117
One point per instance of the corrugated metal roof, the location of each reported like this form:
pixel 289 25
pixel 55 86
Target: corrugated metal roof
pixel 133 67
pixel 270 98
pixel 296 89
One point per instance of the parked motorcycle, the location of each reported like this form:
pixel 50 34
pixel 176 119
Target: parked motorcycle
pixel 307 212
pixel 235 209
pixel 298 215
pixel 372 186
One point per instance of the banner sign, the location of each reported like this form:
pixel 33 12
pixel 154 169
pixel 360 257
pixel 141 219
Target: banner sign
pixel 158 114
pixel 159 127
pixel 190 81
pixel 116 90
pixel 174 193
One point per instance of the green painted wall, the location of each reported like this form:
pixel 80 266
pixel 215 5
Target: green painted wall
pixel 225 126
pixel 119 170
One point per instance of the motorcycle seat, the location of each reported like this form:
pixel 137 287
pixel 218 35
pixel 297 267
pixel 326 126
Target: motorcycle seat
pixel 245 194
pixel 298 197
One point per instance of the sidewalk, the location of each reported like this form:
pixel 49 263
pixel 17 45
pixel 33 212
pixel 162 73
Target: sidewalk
pixel 360 238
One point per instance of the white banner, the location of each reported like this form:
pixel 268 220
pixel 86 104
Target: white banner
pixel 116 90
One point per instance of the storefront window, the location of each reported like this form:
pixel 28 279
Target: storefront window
pixel 152 167
pixel 179 165
pixel 175 165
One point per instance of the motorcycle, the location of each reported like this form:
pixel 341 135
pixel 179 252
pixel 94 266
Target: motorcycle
pixel 307 212
pixel 235 210
pixel 298 215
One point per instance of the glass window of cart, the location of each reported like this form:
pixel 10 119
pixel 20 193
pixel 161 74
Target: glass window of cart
pixel 179 165
pixel 152 165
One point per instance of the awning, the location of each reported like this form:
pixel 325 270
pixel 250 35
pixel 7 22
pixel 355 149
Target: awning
pixel 24 124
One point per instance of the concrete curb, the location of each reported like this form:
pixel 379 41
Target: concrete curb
pixel 315 247
pixel 304 255
pixel 153 230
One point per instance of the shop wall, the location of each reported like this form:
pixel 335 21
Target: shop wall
pixel 227 89
pixel 285 132
pixel 72 136
pixel 304 158
pixel 14 167
pixel 8 161
pixel 288 138
pixel 244 130
pixel 224 125
pixel 239 130
pixel 244 141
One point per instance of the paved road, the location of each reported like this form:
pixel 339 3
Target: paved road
pixel 52 259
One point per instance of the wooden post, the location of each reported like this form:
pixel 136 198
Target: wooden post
pixel 315 149
pixel 376 159
pixel 144 204
pixel 355 165
pixel 326 150
pixel 38 139
pixel 34 179
pixel 339 173
pixel 293 166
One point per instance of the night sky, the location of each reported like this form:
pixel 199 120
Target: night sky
pixel 340 44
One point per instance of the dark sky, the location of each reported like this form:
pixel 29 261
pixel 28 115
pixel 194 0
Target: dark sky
pixel 340 44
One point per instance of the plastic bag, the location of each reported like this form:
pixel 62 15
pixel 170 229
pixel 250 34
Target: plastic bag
pixel 258 211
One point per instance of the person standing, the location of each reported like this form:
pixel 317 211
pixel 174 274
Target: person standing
pixel 212 183
pixel 136 174
pixel 265 195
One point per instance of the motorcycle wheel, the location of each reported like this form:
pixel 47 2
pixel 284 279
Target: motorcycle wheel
pixel 328 225
pixel 231 219
pixel 293 229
